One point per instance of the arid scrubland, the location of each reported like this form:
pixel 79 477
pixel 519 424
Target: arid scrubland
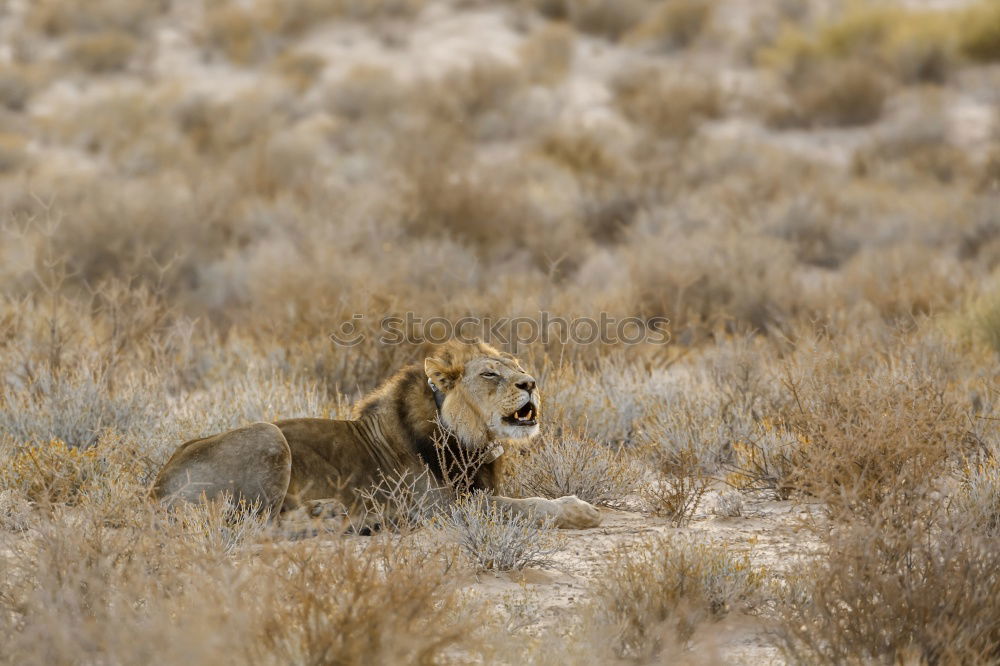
pixel 196 195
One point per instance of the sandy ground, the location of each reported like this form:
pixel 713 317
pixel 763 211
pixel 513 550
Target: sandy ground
pixel 441 39
pixel 771 532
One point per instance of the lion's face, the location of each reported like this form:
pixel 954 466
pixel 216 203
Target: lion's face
pixel 488 395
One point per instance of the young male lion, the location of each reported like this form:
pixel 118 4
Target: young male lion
pixel 466 401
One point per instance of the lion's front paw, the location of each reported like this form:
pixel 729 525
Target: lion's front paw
pixel 575 514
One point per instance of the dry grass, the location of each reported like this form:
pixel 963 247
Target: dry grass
pixel 865 438
pixel 102 52
pixel 605 18
pixel 656 593
pixel 494 539
pixel 673 25
pixel 838 94
pixel 915 45
pixel 980 32
pixel 199 594
pixel 568 465
pixel 668 105
pixel 680 486
pixel 16 86
pixel 841 72
pixel 13 152
pixel 55 17
pixel 195 200
pixel 894 588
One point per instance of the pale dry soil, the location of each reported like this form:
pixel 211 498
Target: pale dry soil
pixel 774 534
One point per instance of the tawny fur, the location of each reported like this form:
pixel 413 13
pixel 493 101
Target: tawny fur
pixel 396 429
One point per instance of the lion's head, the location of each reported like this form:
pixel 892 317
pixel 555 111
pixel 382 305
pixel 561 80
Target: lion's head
pixel 487 394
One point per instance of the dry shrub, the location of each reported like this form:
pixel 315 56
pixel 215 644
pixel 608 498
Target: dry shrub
pixel 668 105
pixel 606 18
pixel 293 17
pixel 74 406
pixel 938 161
pixel 132 131
pixel 977 503
pixel 58 17
pixel 582 152
pixel 249 32
pixel 575 465
pixel 837 74
pixel 874 432
pixel 767 461
pixel 16 86
pixel 816 229
pixel 478 100
pixel 981 321
pixel 449 195
pixel 257 393
pixel 838 94
pixel 364 9
pixel 102 52
pixel 235 31
pixel 903 283
pixel 979 31
pixel 609 402
pixel 918 148
pixel 495 539
pixel 366 93
pixel 729 504
pixel 922 50
pixel 403 502
pixel 16 514
pixel 132 229
pixel 893 588
pixel 220 129
pixel 706 279
pixel 301 69
pixel 675 24
pixel 656 592
pixel 121 594
pixel 199 585
pixel 547 53
pixel 50 472
pixel 393 603
pixel 13 151
pixel 913 45
pixel 989 173
pixel 679 487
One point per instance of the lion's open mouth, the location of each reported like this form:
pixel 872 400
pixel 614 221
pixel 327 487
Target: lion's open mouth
pixel 525 416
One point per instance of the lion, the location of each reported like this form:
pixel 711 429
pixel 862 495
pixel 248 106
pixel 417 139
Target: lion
pixel 454 413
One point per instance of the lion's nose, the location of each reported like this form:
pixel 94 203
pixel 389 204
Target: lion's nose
pixel 526 385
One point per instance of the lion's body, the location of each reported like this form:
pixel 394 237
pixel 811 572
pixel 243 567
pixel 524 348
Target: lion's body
pixel 397 430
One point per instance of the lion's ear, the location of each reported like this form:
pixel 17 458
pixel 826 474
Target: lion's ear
pixel 441 373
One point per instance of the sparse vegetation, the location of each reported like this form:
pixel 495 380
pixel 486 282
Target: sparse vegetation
pixel 567 465
pixel 729 505
pixel 496 540
pixel 674 25
pixel 680 485
pixel 980 31
pixel 669 105
pixel 102 51
pixel 197 198
pixel 658 593
pixel 893 587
